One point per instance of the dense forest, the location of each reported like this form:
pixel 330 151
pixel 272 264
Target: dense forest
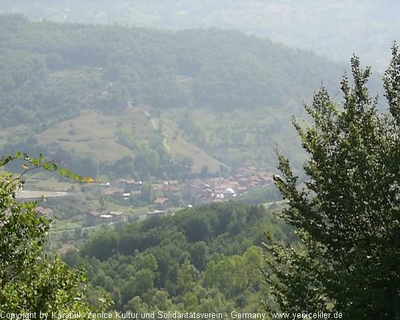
pixel 327 27
pixel 201 259
pixel 54 72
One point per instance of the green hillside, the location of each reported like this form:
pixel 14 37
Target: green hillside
pixel 334 28
pixel 107 93
pixel 199 260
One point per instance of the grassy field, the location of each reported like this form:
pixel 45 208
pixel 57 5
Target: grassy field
pixel 93 133
pixel 233 138
pixel 181 148
pixel 47 181
pixel 236 138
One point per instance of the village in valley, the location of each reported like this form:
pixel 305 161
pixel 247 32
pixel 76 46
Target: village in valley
pixel 159 197
pixel 196 192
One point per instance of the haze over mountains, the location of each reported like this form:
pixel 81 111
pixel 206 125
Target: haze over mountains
pixel 334 28
pixel 226 93
pixel 54 72
pixel 174 129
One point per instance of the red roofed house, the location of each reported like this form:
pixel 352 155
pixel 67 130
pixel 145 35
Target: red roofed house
pixel 43 211
pixel 161 203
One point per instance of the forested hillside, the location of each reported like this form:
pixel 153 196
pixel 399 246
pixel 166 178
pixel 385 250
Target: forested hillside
pixel 143 87
pixel 53 71
pixel 335 28
pixel 199 260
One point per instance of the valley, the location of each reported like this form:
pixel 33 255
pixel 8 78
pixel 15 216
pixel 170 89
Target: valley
pixel 180 171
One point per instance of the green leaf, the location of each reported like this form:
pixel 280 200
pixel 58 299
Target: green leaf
pixel 35 162
pixel 88 179
pixel 65 172
pixel 77 177
pixel 6 160
pixel 54 166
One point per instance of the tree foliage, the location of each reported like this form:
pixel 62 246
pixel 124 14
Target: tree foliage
pixel 347 213
pixel 51 72
pixel 54 72
pixel 192 259
pixel 29 280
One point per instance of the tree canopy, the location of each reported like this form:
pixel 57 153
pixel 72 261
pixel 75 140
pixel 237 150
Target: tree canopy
pixel 55 76
pixel 347 212
pixel 30 280
pixel 201 259
pixel 52 71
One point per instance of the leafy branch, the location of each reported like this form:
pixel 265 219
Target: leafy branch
pixel 30 164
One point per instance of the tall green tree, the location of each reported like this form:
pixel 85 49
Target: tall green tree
pixel 347 215
pixel 30 281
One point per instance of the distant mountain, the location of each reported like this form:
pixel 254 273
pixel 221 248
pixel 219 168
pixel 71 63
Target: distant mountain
pixel 202 94
pixel 53 71
pixel 335 28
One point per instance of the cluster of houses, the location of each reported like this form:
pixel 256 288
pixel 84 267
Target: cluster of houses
pixel 223 189
pixel 209 190
pixel 203 191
